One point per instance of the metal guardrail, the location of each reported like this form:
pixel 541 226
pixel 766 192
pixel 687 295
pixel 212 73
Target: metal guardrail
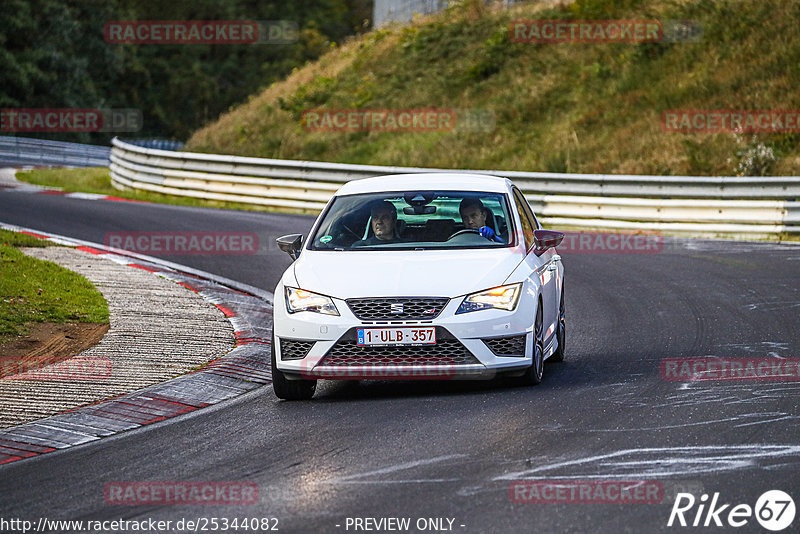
pixel 15 151
pixel 755 207
pixel 161 144
pixel 387 11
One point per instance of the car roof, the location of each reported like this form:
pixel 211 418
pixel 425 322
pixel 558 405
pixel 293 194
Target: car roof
pixel 434 181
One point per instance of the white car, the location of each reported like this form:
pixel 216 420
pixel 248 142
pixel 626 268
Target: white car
pixel 419 276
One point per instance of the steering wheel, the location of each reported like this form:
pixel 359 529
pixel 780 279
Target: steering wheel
pixel 464 231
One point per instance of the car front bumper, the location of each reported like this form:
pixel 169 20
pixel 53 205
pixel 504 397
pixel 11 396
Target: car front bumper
pixel 316 346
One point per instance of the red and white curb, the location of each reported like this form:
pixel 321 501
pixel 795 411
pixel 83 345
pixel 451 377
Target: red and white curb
pixel 8 181
pixel 243 369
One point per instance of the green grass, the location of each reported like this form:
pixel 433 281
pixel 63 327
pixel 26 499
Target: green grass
pixel 87 180
pixel 97 180
pixel 567 107
pixel 16 239
pixel 33 290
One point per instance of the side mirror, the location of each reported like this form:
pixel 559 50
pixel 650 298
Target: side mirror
pixel 291 244
pixel 545 239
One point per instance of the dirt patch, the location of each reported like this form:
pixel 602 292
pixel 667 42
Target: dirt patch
pixel 47 344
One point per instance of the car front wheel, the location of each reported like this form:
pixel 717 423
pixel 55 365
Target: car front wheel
pixel 561 332
pixel 533 375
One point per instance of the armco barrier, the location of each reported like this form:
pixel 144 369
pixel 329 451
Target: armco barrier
pixel 16 151
pixel 754 207
pixel 161 144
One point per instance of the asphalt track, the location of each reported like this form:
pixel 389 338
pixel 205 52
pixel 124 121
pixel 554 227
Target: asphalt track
pixel 451 450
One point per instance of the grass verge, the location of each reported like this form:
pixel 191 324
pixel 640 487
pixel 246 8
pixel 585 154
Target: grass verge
pixel 33 290
pixel 97 180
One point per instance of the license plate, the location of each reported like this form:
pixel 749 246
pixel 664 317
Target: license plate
pixel 425 335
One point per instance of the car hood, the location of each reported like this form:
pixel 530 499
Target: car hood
pixel 445 273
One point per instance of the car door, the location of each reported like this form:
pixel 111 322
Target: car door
pixel 556 268
pixel 543 267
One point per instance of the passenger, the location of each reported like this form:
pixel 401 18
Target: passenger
pixel 473 214
pixel 383 220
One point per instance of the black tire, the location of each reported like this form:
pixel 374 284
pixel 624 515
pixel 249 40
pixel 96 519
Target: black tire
pixel 561 332
pixel 290 389
pixel 533 375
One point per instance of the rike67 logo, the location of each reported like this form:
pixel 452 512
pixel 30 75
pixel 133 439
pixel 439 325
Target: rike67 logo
pixel 774 510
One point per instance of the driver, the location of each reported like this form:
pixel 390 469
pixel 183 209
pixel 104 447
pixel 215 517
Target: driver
pixel 473 213
pixel 383 220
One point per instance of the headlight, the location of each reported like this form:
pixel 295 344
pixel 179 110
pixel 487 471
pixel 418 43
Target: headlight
pixel 502 298
pixel 298 300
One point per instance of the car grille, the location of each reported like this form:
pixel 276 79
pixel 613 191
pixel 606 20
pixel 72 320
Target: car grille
pixel 507 346
pixel 295 349
pixel 381 309
pixel 446 351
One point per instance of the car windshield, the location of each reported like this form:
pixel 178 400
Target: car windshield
pixel 414 220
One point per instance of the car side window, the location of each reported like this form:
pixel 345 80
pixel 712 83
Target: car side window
pixel 526 217
pixel 536 225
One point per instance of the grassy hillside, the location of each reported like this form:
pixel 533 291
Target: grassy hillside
pixel 570 107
